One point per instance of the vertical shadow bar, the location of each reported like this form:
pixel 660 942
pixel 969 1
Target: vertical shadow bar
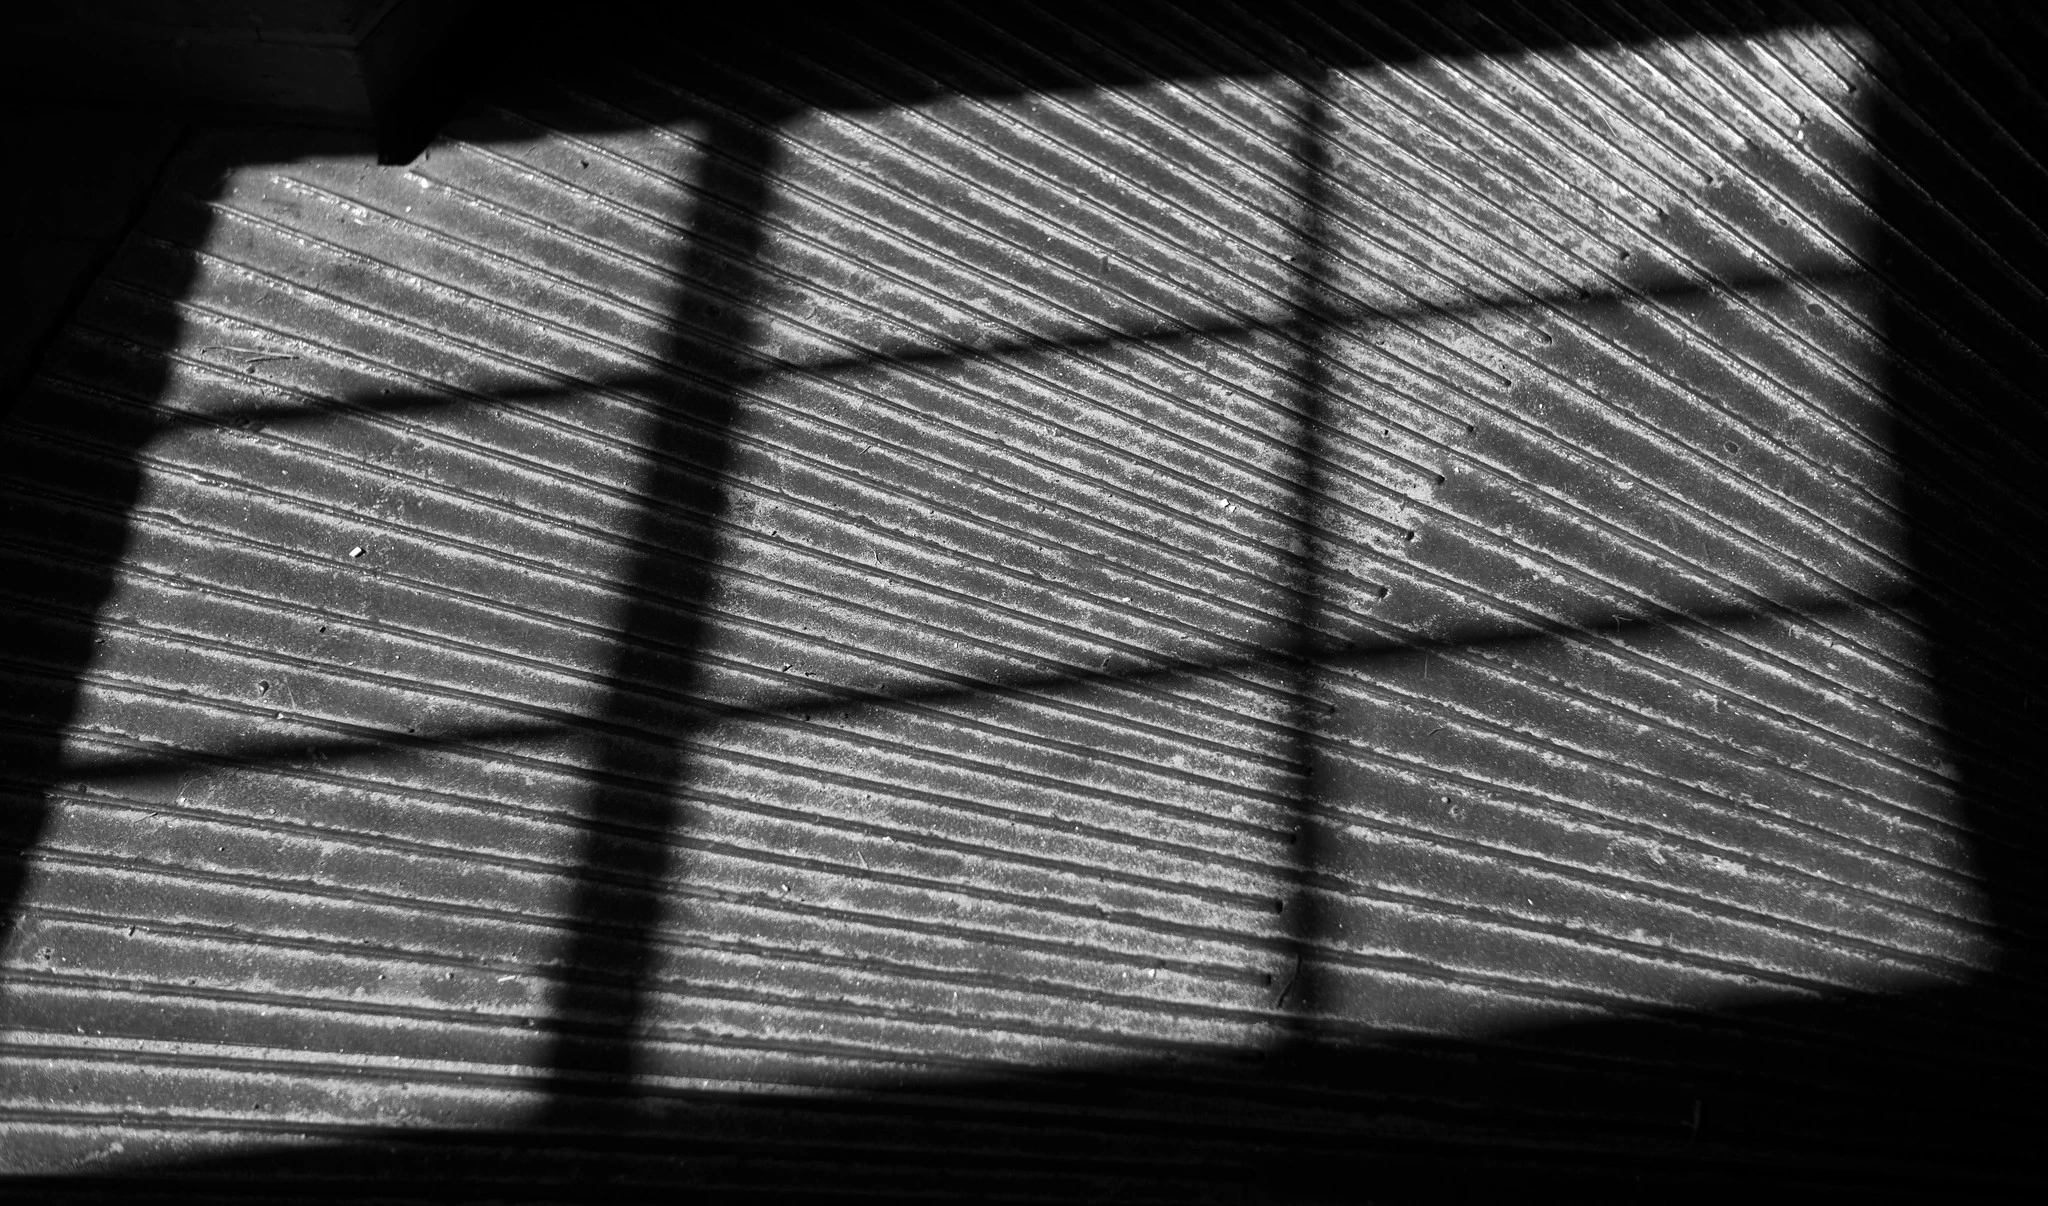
pixel 624 859
pixel 1309 324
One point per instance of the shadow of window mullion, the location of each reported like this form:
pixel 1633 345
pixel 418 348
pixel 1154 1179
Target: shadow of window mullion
pixel 624 858
pixel 1299 997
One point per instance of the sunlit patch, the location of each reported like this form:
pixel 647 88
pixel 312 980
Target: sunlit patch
pixel 1086 579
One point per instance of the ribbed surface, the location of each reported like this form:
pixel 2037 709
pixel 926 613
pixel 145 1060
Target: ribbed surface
pixel 1079 579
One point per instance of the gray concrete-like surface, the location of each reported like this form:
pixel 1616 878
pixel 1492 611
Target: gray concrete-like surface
pixel 1241 606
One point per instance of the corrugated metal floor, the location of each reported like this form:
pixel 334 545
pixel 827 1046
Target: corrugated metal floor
pixel 1242 605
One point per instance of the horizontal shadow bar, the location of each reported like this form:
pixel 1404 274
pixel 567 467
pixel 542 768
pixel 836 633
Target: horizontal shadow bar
pixel 1325 317
pixel 1329 314
pixel 1307 653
